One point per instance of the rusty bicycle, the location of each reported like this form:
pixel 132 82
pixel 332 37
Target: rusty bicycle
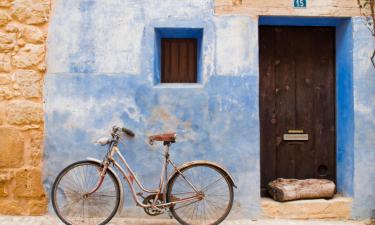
pixel 90 191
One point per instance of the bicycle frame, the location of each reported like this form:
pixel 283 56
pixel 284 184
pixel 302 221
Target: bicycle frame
pixel 130 176
pixel 81 188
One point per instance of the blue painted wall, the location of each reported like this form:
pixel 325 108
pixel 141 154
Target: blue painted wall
pixel 344 107
pixel 102 70
pixel 364 118
pixel 102 59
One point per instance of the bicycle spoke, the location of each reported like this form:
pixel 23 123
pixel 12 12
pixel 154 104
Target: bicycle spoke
pixel 73 205
pixel 216 195
pixel 205 188
pixel 186 205
pixel 183 193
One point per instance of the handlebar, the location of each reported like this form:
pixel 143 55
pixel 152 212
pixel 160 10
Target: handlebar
pixel 123 129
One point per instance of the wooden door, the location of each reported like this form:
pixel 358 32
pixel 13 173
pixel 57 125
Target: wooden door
pixel 297 92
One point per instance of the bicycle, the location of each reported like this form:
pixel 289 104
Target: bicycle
pixel 90 191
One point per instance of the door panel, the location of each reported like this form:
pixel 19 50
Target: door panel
pixel 297 91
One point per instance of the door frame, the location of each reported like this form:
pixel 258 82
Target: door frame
pixel 332 89
pixel 344 90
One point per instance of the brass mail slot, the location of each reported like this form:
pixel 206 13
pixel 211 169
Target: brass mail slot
pixel 296 137
pixel 295 131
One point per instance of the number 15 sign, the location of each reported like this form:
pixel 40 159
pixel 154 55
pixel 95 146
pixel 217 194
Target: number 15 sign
pixel 300 3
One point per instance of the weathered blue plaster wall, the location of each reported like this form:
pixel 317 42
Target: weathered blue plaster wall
pixel 101 72
pixel 344 107
pixel 364 117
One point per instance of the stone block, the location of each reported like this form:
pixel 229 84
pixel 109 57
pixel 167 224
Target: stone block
pixel 11 208
pixel 236 2
pixel 29 184
pixel 31 11
pixel 37 207
pixel 11 148
pixel 4 17
pixel 336 208
pixel 5 65
pixel 33 35
pixel 2 113
pixel 5 3
pixel 28 82
pixel 6 93
pixel 35 147
pixel 341 8
pixel 5 176
pixel 5 179
pixel 7 41
pixel 42 67
pixel 3 189
pixel 13 27
pixel 4 79
pixel 36 157
pixel 24 112
pixel 29 55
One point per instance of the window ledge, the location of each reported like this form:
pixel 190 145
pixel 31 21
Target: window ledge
pixel 178 85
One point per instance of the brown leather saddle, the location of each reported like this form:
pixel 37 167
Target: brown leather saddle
pixel 166 137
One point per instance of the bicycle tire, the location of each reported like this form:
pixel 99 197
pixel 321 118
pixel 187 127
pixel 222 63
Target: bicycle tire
pixel 69 168
pixel 171 193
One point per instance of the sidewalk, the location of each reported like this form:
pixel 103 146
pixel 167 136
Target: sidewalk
pixel 52 220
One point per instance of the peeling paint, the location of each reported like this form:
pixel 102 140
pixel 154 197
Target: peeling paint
pixel 109 78
pixel 364 116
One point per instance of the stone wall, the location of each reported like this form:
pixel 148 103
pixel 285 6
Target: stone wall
pixel 339 8
pixel 23 30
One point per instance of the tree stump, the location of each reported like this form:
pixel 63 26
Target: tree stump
pixel 293 189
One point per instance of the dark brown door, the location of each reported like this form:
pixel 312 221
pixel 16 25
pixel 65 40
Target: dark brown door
pixel 297 92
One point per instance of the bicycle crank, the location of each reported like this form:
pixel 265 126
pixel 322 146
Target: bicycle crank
pixel 149 200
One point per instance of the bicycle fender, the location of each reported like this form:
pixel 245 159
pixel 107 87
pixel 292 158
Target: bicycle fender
pixel 117 179
pixel 217 166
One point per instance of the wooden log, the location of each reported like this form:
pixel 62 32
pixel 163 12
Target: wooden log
pixel 293 189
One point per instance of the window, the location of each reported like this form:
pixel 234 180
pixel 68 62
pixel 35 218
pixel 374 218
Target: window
pixel 179 60
pixel 178 53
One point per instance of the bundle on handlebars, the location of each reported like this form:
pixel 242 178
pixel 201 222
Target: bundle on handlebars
pixel 123 129
pixel 128 132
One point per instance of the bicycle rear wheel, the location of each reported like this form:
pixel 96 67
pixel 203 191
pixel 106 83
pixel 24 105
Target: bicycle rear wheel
pixel 212 183
pixel 71 204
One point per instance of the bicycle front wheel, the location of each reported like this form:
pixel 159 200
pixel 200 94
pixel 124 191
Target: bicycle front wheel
pixel 71 202
pixel 209 182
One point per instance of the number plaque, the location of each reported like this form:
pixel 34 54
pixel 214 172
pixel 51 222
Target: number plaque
pixel 300 3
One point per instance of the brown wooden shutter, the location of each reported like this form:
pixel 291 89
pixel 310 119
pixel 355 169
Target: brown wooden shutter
pixel 178 60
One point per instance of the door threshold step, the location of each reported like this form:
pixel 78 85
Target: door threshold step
pixel 336 208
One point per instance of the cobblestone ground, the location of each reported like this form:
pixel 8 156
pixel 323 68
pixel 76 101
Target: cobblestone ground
pixel 51 220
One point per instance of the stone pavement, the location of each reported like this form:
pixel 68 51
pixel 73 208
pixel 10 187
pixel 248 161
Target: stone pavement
pixel 52 220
